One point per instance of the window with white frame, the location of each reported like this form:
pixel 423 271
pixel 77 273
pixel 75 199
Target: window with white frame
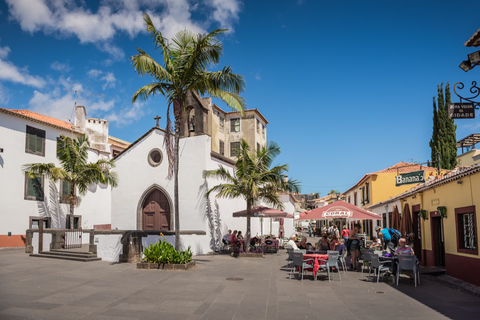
pixel 466 230
pixel 221 122
pixel 235 125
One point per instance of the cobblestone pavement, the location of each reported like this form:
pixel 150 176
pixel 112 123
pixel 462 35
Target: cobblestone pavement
pixel 37 288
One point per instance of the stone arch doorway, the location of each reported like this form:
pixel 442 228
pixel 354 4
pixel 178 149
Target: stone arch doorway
pixel 154 212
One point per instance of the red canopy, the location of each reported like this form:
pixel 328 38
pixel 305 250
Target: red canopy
pixel 339 209
pixel 263 212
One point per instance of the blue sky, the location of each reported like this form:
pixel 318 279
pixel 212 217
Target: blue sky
pixel 347 86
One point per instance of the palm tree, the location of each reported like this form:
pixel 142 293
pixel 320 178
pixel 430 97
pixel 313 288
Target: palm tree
pixel 253 179
pixel 75 170
pixel 184 69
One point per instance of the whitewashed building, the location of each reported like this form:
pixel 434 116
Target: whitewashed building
pixel 144 197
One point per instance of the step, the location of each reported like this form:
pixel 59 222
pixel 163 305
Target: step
pixel 70 251
pixel 70 254
pixel 63 257
pixel 434 271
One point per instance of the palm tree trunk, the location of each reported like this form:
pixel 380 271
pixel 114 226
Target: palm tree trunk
pixel 175 173
pixel 72 204
pixel 249 214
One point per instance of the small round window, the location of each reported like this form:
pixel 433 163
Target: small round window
pixel 155 157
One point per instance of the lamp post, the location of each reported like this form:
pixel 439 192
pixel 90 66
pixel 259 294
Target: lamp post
pixel 473 60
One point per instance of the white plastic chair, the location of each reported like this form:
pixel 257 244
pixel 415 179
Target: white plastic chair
pixel 378 266
pixel 299 262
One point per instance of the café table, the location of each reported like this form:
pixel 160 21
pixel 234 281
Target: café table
pixel 317 260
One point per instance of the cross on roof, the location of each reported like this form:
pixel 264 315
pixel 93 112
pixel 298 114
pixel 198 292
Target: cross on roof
pixel 157 118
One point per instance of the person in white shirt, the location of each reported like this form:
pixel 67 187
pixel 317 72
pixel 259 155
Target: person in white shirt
pixel 226 237
pixel 291 243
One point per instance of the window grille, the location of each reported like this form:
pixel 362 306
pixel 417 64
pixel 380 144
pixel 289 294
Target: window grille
pixel 468 231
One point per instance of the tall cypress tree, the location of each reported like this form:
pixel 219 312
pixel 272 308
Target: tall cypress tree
pixel 434 139
pixel 451 128
pixel 444 138
pixel 442 128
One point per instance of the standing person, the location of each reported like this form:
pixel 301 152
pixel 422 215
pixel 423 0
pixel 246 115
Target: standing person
pixel 385 238
pixel 335 231
pixel 355 245
pixel 324 229
pixel 310 230
pixel 330 230
pixel 345 233
pixel 239 235
pixel 234 242
pixel 314 231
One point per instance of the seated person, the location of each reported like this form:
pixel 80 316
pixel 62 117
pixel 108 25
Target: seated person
pixel 226 238
pixel 239 235
pixel 291 245
pixel 403 249
pixel 303 244
pixel 324 244
pixel 334 242
pixel 341 247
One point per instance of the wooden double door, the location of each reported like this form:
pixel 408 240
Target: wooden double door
pixel 156 211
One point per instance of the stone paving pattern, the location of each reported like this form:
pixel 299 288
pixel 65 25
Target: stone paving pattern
pixel 34 288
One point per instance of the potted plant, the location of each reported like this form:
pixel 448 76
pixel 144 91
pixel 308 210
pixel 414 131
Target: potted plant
pixel 162 255
pixel 424 214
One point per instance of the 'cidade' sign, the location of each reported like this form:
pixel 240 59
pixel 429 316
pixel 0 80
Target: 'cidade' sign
pixel 337 212
pixel 461 111
pixel 410 178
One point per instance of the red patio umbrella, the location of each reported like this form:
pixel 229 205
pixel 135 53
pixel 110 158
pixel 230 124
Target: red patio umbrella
pixel 339 209
pixel 407 225
pixel 263 212
pixel 395 223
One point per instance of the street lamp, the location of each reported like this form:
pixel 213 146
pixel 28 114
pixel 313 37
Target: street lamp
pixel 473 60
pixel 338 195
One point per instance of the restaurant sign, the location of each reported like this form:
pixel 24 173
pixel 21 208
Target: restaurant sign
pixel 461 111
pixel 409 178
pixel 337 212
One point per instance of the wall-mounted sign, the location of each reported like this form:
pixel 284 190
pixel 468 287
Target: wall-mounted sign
pixel 410 178
pixel 461 111
pixel 337 212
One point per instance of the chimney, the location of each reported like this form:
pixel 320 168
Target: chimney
pixel 80 118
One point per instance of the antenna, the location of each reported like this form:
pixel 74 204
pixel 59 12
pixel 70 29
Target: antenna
pixel 87 93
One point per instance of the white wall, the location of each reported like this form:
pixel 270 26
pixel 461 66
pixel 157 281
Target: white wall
pixel 14 209
pixel 385 209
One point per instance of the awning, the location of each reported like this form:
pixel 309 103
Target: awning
pixel 263 212
pixel 339 209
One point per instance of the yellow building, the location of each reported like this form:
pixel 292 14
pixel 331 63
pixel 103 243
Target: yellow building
pixel 381 185
pixel 445 212
pixel 469 155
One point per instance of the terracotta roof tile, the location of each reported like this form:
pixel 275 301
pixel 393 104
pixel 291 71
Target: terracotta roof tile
pixel 474 40
pixel 403 167
pixel 41 117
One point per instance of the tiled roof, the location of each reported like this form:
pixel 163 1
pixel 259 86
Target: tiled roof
pixel 474 40
pixel 40 118
pixel 403 167
pixel 433 182
pixel 118 143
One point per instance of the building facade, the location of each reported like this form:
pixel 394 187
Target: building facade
pixel 28 137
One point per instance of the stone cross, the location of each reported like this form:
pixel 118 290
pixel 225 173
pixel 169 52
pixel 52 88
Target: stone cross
pixel 157 118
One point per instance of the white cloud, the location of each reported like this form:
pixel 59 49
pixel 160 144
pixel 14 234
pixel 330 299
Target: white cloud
pixel 60 104
pixel 258 75
pixel 62 67
pixel 94 73
pixel 4 95
pixel 127 115
pixel 225 12
pixel 69 18
pixel 4 51
pixel 10 72
pixel 109 79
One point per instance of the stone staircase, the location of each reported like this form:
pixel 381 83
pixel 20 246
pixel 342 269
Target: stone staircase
pixel 67 255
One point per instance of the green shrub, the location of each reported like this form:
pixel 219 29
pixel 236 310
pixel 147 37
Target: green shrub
pixel 164 252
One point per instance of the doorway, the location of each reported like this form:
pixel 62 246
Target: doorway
pixel 417 231
pixel 156 211
pixel 438 246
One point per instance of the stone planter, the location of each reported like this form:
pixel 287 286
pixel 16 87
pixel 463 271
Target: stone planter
pixel 165 266
pixel 251 255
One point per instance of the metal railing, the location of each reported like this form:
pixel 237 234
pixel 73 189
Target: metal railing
pixel 73 238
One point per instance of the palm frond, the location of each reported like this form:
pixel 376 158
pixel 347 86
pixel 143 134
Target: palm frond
pixel 144 64
pixel 150 90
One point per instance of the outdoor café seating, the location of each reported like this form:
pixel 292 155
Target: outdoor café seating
pixel 408 263
pixel 378 266
pixel 300 264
